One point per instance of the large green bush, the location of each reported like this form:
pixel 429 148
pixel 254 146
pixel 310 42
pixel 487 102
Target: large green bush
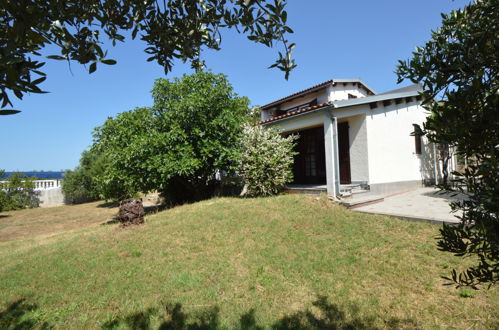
pixel 87 183
pixel 266 161
pixel 178 146
pixel 17 192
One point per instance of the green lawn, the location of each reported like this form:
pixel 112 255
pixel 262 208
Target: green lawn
pixel 291 261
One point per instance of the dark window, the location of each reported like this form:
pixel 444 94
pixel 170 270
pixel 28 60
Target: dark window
pixel 373 105
pixel 351 96
pixel 417 141
pixel 387 102
pixel 398 101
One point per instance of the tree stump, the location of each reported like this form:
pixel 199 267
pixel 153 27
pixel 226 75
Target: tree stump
pixel 131 212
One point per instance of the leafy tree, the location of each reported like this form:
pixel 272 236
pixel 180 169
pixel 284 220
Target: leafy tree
pixel 84 183
pixel 17 192
pixel 266 161
pixel 180 145
pixel 171 29
pixel 460 65
pixel 3 195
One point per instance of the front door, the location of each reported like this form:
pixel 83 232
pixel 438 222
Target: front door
pixel 310 163
pixel 344 153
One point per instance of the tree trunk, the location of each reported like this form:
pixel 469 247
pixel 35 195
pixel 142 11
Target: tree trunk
pixel 131 212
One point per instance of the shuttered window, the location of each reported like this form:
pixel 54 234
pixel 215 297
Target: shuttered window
pixel 417 144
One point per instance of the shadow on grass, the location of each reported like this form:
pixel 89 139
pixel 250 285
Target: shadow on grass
pixel 18 316
pixel 109 205
pixel 4 216
pixel 324 316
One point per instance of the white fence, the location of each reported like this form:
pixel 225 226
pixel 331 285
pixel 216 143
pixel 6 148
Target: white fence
pixel 49 192
pixel 42 184
pixel 47 184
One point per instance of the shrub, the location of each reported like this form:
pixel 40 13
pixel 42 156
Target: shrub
pixel 77 186
pixel 87 183
pixel 17 192
pixel 178 146
pixel 266 161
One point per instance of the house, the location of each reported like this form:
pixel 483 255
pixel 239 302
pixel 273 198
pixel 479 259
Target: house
pixel 350 136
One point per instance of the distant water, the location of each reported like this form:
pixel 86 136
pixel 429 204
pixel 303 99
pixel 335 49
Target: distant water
pixel 40 175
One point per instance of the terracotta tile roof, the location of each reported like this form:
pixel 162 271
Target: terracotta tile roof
pixel 289 114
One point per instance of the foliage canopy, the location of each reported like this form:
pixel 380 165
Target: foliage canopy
pixel 181 144
pixel 460 64
pixel 83 184
pixel 171 29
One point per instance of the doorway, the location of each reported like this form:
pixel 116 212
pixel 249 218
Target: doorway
pixel 309 165
pixel 344 153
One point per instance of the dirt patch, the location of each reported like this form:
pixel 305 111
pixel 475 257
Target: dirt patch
pixel 31 223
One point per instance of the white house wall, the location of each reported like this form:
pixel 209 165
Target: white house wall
pixel 357 134
pixel 340 92
pixel 391 147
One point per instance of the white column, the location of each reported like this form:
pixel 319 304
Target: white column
pixel 331 165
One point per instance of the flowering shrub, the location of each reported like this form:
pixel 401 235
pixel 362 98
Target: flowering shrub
pixel 266 161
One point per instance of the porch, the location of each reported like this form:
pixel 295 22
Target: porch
pixel 331 155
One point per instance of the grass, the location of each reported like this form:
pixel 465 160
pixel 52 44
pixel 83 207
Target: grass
pixel 290 261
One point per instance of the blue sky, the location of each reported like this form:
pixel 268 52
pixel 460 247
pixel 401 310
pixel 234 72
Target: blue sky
pixel 335 39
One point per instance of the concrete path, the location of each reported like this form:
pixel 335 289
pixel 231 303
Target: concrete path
pixel 425 204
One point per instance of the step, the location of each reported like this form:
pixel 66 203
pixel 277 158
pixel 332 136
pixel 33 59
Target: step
pixel 360 201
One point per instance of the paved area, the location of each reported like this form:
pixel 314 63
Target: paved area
pixel 426 204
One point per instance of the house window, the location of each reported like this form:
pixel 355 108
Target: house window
pixel 351 96
pixel 417 144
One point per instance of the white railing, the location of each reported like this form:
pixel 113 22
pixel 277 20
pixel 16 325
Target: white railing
pixel 47 184
pixel 43 184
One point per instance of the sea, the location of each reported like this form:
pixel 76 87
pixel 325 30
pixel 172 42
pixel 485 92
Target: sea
pixel 40 174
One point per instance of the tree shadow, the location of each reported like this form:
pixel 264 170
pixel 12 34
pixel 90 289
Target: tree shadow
pixel 17 316
pixel 5 216
pixel 449 196
pixel 109 205
pixel 323 315
pixel 171 317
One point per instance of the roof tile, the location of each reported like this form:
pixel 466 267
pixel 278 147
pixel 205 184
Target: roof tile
pixel 289 114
